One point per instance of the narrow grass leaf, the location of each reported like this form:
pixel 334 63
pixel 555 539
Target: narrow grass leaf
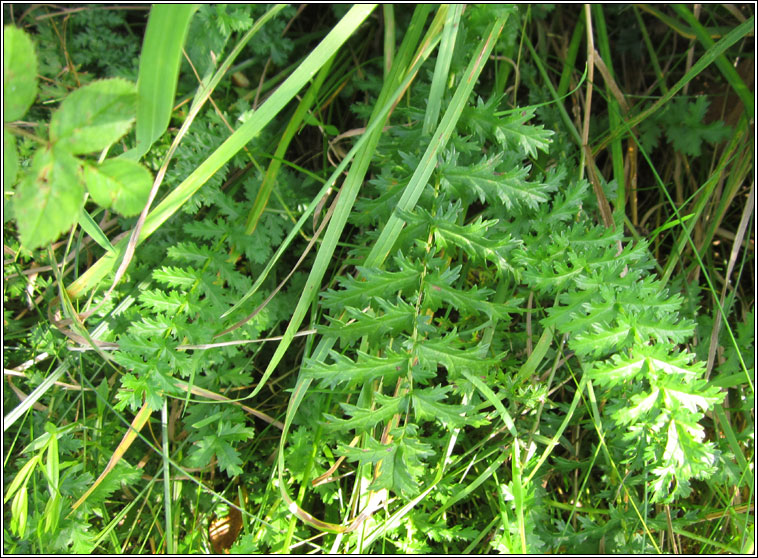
pixel 234 143
pixel 416 185
pixel 139 421
pixel 159 64
pixel 87 223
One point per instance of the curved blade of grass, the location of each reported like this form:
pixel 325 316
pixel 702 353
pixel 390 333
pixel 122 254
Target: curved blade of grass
pixel 389 37
pixel 615 100
pixel 139 421
pixel 442 68
pixel 539 352
pixel 159 63
pixel 297 396
pixel 195 390
pixel 167 508
pixel 269 179
pixel 34 396
pixel 260 118
pixel 490 396
pixel 342 210
pixel 463 493
pixel 89 225
pixel 428 162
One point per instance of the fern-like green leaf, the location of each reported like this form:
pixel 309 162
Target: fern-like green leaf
pixel 372 283
pixel 449 352
pixel 363 419
pixel 391 319
pixel 364 368
pixel 427 404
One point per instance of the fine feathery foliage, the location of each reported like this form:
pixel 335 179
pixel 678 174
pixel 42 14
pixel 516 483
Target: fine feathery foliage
pixel 436 339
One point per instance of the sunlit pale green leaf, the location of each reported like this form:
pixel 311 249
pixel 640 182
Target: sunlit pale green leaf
pixel 94 116
pixel 10 160
pixel 19 73
pixel 48 200
pixel 119 183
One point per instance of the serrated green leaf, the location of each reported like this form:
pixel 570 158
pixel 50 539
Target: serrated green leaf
pixel 512 130
pixel 599 339
pixel 171 302
pixel 176 276
pixel 119 183
pixel 427 404
pixel 665 359
pixel 438 293
pixel 399 463
pixel 662 328
pixel 94 116
pixel 371 283
pixel 618 369
pixel 49 199
pixel 152 325
pixel 508 128
pixel 691 396
pixel 639 405
pixel 390 319
pixel 685 128
pixel 190 252
pixel 482 181
pixel 448 352
pixel 19 73
pixel 365 368
pixel 473 240
pixel 362 419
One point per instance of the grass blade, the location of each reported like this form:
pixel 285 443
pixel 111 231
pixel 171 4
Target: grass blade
pixel 139 421
pixel 348 194
pixel 159 65
pixel 34 396
pixel 273 105
pixel 429 161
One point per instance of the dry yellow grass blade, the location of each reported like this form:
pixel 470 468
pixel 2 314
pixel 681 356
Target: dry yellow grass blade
pixel 139 421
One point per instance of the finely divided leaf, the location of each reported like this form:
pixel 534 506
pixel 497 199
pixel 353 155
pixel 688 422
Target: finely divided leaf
pixel 364 368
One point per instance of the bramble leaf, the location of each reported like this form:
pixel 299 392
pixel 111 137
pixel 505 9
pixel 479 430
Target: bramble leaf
pixel 19 73
pixel 94 116
pixel 119 183
pixel 48 200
